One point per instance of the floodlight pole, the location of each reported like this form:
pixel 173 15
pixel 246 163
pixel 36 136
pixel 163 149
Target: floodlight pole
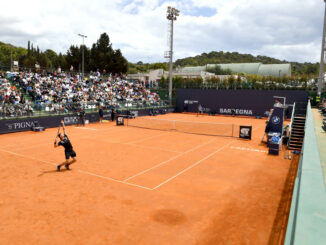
pixel 322 58
pixel 10 58
pixel 83 36
pixel 171 62
pixel 172 14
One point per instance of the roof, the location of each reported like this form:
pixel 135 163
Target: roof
pixel 275 70
pixel 248 68
pixel 193 69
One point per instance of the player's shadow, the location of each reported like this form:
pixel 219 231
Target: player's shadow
pixel 52 172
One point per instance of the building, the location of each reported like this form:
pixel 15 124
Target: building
pixel 275 70
pixel 156 75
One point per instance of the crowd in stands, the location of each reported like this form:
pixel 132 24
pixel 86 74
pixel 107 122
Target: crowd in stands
pixel 12 102
pixel 64 92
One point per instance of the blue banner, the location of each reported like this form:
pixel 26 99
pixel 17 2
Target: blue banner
pixel 276 120
pixel 238 102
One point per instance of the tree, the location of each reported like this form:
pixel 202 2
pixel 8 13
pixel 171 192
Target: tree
pixel 73 57
pixel 119 63
pixel 102 53
pixel 29 48
pixel 52 57
pixel 103 57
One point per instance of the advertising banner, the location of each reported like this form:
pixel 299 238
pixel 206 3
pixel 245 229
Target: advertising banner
pixel 238 102
pixel 26 124
pixel 245 132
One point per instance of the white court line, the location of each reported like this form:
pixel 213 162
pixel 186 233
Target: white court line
pixel 160 164
pixel 94 129
pixel 20 155
pixel 181 155
pixel 21 144
pixel 38 145
pixel 193 165
pixel 119 181
pixel 80 171
pixel 248 149
pixel 45 143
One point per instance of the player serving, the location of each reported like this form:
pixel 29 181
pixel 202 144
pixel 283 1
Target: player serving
pixel 65 142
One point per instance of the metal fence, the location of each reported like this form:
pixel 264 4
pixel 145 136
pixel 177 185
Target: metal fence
pixel 37 109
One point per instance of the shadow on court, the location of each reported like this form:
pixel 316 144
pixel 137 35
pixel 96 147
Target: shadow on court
pixel 52 172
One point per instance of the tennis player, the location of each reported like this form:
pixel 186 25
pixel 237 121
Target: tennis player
pixel 69 151
pixel 200 109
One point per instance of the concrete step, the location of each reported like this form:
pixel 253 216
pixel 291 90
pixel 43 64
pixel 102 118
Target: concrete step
pixel 296 141
pixel 298 129
pixel 294 148
pixel 295 137
pixel 295 145
pixel 298 126
pixel 294 131
pixel 299 121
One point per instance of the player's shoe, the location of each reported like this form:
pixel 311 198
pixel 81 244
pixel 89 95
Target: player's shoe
pixel 58 168
pixel 67 166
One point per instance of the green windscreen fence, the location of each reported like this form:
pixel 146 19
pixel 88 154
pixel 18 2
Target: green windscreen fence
pixel 307 220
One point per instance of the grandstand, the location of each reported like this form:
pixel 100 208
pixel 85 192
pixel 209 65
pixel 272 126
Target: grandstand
pixel 28 94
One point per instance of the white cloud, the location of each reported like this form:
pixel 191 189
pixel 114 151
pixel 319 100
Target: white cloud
pixel 287 29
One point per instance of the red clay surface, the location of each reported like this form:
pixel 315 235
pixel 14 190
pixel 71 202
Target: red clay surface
pixel 140 186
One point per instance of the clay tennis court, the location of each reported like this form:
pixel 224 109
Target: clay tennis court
pixel 140 186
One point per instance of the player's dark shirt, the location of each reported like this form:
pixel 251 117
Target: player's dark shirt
pixel 100 112
pixel 66 143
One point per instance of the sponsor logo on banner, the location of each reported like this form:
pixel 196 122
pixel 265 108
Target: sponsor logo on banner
pixel 70 120
pixel 245 132
pixel 120 121
pixel 237 111
pixel 135 113
pixel 21 125
pixel 190 102
pixel 107 116
pixel 276 120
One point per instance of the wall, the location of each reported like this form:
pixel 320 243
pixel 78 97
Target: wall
pixel 307 220
pixel 245 102
pixel 18 125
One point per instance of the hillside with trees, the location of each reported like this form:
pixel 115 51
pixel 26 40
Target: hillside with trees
pixel 235 57
pixel 100 56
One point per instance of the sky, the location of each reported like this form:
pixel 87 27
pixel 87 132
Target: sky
pixel 285 29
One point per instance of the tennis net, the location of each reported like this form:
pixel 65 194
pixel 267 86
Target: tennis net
pixel 203 128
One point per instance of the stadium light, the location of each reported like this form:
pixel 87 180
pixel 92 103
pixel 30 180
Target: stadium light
pixel 322 58
pixel 171 15
pixel 83 36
